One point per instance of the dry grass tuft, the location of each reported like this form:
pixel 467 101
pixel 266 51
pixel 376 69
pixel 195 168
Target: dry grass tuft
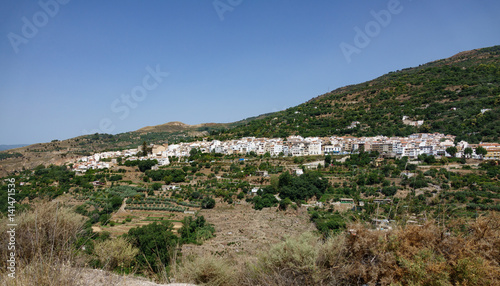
pixel 115 252
pixel 292 262
pixel 41 271
pixel 47 230
pixel 207 270
pixel 44 246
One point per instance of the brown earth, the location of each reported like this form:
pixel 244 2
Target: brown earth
pixel 242 231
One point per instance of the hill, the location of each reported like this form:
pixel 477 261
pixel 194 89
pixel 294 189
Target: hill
pixel 60 151
pixel 459 95
pixel 449 95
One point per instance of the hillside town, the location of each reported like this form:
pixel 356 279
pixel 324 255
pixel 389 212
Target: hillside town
pixel 434 144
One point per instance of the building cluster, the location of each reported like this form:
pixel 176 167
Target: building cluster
pixel 106 159
pixel 94 161
pixel 412 146
pixel 408 121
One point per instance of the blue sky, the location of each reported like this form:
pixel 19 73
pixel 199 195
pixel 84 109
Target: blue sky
pixel 226 60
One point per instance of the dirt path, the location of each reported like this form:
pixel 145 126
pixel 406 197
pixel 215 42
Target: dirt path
pixel 122 208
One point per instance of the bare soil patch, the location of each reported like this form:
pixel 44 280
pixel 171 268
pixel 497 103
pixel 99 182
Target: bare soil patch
pixel 243 231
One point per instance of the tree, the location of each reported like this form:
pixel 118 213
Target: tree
pixel 156 241
pixel 481 151
pixel 145 165
pixel 168 179
pixel 144 149
pixel 452 151
pixel 283 204
pixel 328 160
pixel 468 152
pixel 208 203
pixel 194 153
pixel 264 200
pixel 274 182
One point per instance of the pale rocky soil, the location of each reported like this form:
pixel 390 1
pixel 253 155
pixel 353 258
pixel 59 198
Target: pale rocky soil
pixel 96 277
pixel 83 277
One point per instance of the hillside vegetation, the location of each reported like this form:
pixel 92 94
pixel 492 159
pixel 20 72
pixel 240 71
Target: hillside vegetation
pixel 464 253
pixel 448 95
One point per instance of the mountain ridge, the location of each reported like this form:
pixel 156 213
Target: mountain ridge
pixel 449 95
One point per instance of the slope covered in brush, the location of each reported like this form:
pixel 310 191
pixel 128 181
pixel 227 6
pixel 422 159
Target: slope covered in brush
pixel 450 95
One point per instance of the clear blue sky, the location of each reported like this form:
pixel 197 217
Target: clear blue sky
pixel 245 59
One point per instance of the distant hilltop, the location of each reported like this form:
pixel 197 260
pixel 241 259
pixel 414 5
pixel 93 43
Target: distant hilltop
pixel 177 126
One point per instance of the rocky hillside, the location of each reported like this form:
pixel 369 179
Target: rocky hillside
pixel 459 95
pixel 57 152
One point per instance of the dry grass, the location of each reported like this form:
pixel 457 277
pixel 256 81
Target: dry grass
pixel 47 230
pixel 244 231
pixel 115 252
pixel 43 271
pixel 44 240
pixel 425 255
pixel 208 270
pixel 292 262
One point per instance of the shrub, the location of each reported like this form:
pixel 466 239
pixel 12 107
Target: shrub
pixel 266 200
pixel 45 237
pixel 389 191
pixel 195 231
pixel 115 252
pixel 156 241
pixel 283 204
pixel 329 222
pixel 208 270
pixel 292 262
pixel 208 203
pixel 115 178
pixel 47 228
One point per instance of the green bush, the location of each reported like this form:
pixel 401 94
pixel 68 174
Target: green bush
pixel 265 200
pixel 156 242
pixel 208 203
pixel 195 231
